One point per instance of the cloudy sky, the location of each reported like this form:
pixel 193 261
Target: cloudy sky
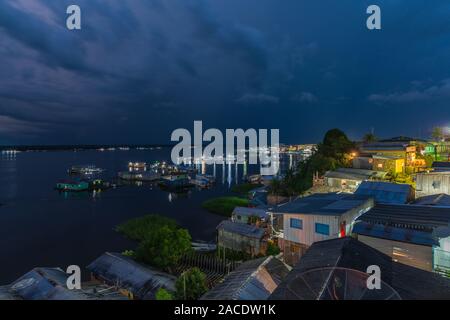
pixel 139 69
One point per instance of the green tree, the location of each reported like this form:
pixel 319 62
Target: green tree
pixel 164 247
pixel 437 134
pixel 163 294
pixel 191 285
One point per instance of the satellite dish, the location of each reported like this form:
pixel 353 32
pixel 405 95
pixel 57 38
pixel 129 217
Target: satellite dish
pixel 333 283
pixel 22 284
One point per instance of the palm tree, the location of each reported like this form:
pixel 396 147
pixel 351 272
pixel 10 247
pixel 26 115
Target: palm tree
pixel 437 134
pixel 369 137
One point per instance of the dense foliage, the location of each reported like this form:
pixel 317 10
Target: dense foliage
pixel 163 294
pixel 334 152
pixel 162 242
pixel 224 205
pixel 191 285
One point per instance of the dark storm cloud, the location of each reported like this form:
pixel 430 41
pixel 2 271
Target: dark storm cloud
pixel 139 69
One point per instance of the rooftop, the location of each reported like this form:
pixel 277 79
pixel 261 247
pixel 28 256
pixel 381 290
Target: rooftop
pixel 252 280
pixel 441 200
pixel 415 217
pixel 242 229
pixel 127 273
pixel 331 204
pixel 349 253
pixel 441 164
pixel 249 212
pixel 354 174
pixel 385 192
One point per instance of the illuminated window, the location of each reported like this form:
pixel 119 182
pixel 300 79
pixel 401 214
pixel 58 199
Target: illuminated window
pixel 380 165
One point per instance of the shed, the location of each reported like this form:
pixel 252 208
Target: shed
pixel 133 279
pixel 252 280
pixel 385 192
pixel 241 237
pixel 433 183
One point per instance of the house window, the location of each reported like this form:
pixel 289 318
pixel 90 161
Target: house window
pixel 296 223
pixel 323 229
pixel 380 166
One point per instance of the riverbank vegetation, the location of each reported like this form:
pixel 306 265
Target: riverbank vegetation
pixel 161 241
pixel 191 284
pixel 335 151
pixel 224 205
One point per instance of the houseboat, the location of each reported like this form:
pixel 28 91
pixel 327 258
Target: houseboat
pixel 84 170
pixel 175 182
pixel 72 185
pixel 137 166
pixel 139 176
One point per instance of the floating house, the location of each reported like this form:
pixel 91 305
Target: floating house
pixel 241 237
pixel 337 269
pixel 348 179
pixel 175 181
pixel 252 280
pixel 432 183
pixel 317 217
pixel 417 236
pixel 385 192
pixel 131 278
pixel 72 185
pixel 145 176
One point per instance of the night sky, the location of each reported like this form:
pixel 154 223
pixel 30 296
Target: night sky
pixel 139 69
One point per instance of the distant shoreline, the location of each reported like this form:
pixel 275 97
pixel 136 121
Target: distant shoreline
pixel 24 148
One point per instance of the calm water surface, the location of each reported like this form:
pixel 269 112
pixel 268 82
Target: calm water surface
pixel 42 227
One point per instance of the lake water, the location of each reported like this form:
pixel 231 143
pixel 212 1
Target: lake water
pixel 40 226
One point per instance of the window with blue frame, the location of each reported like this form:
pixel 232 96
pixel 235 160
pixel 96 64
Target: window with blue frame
pixel 323 229
pixel 296 223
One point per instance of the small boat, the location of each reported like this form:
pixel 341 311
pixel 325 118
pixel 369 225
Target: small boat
pixel 201 183
pixel 256 178
pixel 209 178
pixel 84 169
pixel 203 246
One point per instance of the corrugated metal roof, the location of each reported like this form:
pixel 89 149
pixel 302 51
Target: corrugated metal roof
pixel 333 204
pixel 128 274
pixel 396 234
pixel 385 192
pixel 441 200
pixel 349 253
pixel 253 280
pixel 415 217
pixel 242 229
pixel 45 284
pixel 248 212
pixel 441 164
pixel 354 174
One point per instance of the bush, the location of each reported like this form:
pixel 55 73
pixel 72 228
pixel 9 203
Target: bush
pixel 224 205
pixel 163 294
pixel 164 247
pixel 191 285
pixel 272 249
pixel 139 228
pixel 162 241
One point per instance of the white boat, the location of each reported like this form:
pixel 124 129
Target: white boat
pixel 84 169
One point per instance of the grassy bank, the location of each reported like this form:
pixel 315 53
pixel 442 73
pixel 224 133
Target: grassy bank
pixel 224 205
